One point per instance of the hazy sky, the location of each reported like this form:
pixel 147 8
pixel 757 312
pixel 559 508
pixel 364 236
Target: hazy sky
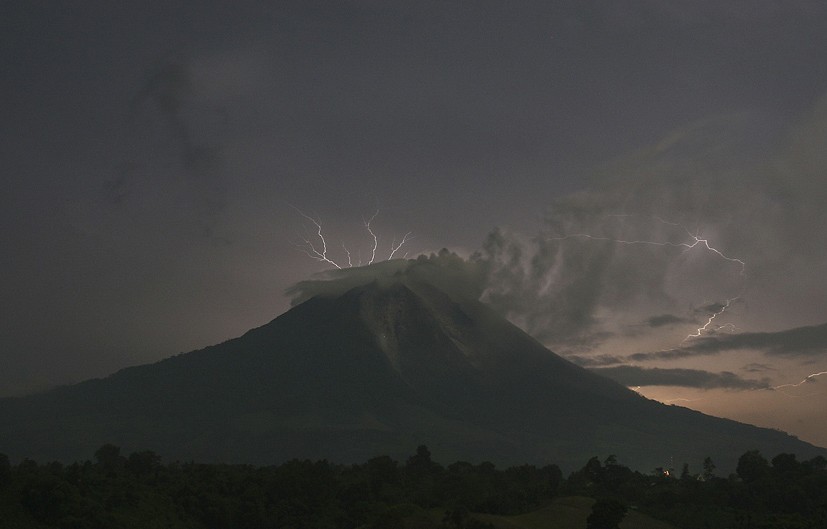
pixel 626 170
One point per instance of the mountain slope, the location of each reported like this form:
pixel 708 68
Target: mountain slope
pixel 376 369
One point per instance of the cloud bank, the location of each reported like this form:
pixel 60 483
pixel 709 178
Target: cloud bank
pixel 691 378
pixel 800 342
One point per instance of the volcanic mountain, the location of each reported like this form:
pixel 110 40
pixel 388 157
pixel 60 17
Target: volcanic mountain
pixel 375 365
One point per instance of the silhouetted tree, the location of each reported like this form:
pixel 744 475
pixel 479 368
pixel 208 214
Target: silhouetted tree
pixel 709 468
pixel 685 475
pixel 142 463
pixel 554 476
pixel 382 494
pixel 109 457
pixel 383 473
pixel 752 466
pixel 593 469
pixel 786 464
pixel 420 463
pixel 817 463
pixel 422 476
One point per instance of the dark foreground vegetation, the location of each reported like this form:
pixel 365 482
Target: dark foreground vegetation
pixel 140 491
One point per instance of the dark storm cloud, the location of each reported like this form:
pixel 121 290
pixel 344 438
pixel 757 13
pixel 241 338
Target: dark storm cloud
pixel 692 378
pixel 170 93
pixel 664 320
pixel 756 367
pixel 800 342
pixel 596 360
pixel 628 242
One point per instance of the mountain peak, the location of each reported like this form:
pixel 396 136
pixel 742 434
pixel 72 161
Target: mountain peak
pixel 461 279
pixel 375 361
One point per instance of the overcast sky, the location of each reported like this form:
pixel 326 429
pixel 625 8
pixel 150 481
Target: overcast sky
pixel 627 170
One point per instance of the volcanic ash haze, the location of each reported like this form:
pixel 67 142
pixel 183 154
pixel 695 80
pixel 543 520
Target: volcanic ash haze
pixel 372 361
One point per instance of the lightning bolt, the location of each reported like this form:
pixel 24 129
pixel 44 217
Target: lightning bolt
pixel 349 261
pixel 309 248
pixel 680 399
pixel 694 241
pixel 705 327
pixel 373 235
pixel 809 378
pixel 395 247
pixel 316 246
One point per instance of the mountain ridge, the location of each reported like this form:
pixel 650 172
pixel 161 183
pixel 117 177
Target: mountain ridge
pixel 381 367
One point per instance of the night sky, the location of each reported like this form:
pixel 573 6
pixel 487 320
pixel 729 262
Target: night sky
pixel 625 170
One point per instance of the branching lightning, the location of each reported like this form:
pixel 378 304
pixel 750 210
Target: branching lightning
pixel 705 327
pixel 809 378
pixel 315 246
pixel 695 241
pixel 395 247
pixel 373 235
pixel 715 310
pixel 349 261
pixel 310 249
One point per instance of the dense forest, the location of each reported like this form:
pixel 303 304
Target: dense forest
pixel 139 491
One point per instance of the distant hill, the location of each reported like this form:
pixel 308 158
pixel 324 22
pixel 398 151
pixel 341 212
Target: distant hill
pixel 376 366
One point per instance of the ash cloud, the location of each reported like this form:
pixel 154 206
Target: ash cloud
pixel 691 378
pixel 550 292
pixel 168 106
pixel 464 279
pixel 616 253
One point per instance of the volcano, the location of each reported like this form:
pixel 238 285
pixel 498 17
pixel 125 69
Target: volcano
pixel 377 365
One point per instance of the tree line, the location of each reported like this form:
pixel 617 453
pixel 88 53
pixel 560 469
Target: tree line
pixel 140 491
